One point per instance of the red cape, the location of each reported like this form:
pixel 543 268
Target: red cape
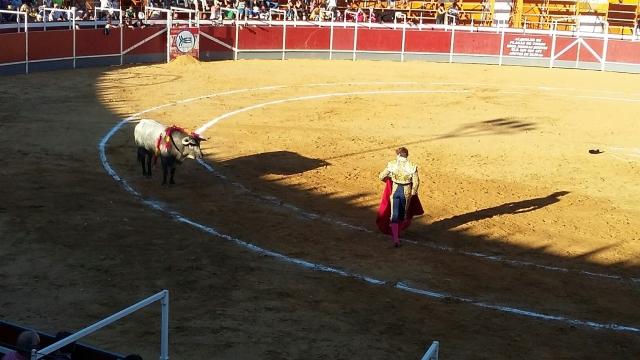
pixel 383 219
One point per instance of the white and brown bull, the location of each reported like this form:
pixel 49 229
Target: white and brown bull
pixel 171 144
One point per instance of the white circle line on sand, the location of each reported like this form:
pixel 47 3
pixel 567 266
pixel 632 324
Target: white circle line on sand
pixel 320 267
pixel 311 215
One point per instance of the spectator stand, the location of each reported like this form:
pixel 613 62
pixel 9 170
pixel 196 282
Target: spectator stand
pixel 17 15
pixel 190 13
pixel 70 16
pixel 423 12
pixel 108 24
pixel 501 12
pixel 162 297
pixel 592 16
pixel 475 13
pixel 623 17
pixel 169 13
pixel 99 10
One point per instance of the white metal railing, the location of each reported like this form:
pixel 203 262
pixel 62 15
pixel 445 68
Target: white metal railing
pixel 168 24
pixel 326 14
pixel 549 58
pixel 71 15
pixel 162 296
pixel 432 352
pixel 237 20
pixel 95 26
pixel 107 9
pixel 278 12
pixel 181 10
pixel 450 19
pixel 18 14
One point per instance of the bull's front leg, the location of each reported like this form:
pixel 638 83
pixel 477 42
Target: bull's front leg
pixel 142 154
pixel 165 169
pixel 149 160
pixel 173 172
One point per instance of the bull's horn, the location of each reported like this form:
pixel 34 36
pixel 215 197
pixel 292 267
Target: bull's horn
pixel 185 141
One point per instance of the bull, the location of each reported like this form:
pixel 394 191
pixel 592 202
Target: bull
pixel 171 144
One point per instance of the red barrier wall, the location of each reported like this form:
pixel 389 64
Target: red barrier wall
pixel 153 46
pixel 54 44
pixel 12 47
pixel 308 38
pixel 343 39
pixel 623 51
pixel 50 44
pixel 95 42
pixel 379 40
pixel 561 44
pixel 476 43
pixel 596 44
pixel 261 37
pixel 428 41
pixel 225 34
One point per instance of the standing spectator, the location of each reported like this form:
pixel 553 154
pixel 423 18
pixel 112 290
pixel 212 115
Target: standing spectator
pixel 331 6
pixel 290 10
pixel 27 341
pixel 454 12
pixel 440 13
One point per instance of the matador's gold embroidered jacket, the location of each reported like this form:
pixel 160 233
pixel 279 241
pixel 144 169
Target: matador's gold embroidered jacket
pixel 403 172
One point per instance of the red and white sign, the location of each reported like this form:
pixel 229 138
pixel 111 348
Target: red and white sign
pixel 185 41
pixel 527 46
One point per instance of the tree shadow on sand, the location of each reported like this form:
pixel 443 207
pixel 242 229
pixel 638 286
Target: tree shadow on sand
pixel 498 126
pixel 512 208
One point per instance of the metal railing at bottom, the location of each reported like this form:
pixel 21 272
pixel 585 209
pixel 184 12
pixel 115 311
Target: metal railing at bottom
pixel 162 296
pixel 432 351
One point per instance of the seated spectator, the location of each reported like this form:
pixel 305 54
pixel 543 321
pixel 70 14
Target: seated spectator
pixel 57 15
pixel 130 12
pixel 27 341
pixel 65 352
pixel 140 22
pixel 15 5
pixel 315 14
pixel 264 12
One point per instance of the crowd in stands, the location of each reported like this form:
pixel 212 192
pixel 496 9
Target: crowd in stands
pixel 312 10
pixel 30 340
pixel 441 11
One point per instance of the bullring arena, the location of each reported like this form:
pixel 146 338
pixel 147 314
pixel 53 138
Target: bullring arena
pixel 528 248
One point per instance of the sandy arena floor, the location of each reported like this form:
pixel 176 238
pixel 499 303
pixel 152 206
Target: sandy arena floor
pixel 518 213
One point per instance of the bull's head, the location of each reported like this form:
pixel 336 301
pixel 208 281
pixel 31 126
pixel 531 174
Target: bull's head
pixel 191 145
